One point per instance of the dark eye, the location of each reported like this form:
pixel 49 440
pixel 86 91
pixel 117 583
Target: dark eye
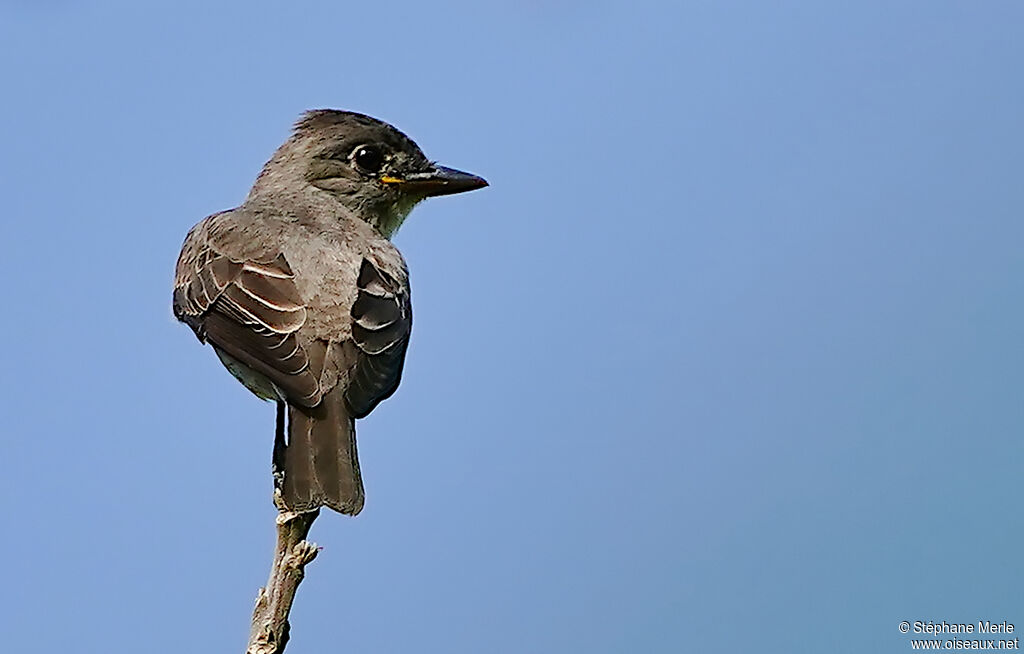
pixel 369 158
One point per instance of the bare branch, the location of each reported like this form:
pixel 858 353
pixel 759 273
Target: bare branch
pixel 269 632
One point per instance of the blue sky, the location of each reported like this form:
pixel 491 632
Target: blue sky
pixel 727 358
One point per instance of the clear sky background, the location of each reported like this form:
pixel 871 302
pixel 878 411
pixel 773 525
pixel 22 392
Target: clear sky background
pixel 728 357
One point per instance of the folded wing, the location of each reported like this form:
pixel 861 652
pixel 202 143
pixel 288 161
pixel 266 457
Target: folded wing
pixel 381 324
pixel 250 310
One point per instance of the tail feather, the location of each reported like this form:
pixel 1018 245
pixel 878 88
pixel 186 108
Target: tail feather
pixel 321 467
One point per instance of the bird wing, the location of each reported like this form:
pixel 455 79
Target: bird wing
pixel 381 324
pixel 248 307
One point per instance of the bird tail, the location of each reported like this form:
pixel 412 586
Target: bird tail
pixel 320 462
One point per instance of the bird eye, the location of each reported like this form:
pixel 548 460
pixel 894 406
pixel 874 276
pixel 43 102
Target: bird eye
pixel 369 158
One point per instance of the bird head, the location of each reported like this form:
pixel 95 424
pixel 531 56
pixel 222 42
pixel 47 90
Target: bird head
pixel 367 165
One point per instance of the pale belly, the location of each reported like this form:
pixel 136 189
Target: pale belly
pixel 260 386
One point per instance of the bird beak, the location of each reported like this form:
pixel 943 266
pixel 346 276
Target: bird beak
pixel 438 181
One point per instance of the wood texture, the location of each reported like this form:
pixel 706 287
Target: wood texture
pixel 270 627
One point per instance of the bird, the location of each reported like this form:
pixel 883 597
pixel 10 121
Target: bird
pixel 303 296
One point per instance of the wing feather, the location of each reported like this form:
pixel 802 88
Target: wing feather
pixel 381 324
pixel 251 310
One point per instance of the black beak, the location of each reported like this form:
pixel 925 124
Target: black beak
pixel 438 181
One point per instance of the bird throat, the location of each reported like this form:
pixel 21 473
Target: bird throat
pixel 390 217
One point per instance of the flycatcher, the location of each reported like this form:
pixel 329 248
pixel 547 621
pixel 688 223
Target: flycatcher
pixel 303 296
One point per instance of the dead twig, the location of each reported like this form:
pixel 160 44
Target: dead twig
pixel 269 632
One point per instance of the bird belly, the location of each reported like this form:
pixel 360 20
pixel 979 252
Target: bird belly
pixel 258 384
